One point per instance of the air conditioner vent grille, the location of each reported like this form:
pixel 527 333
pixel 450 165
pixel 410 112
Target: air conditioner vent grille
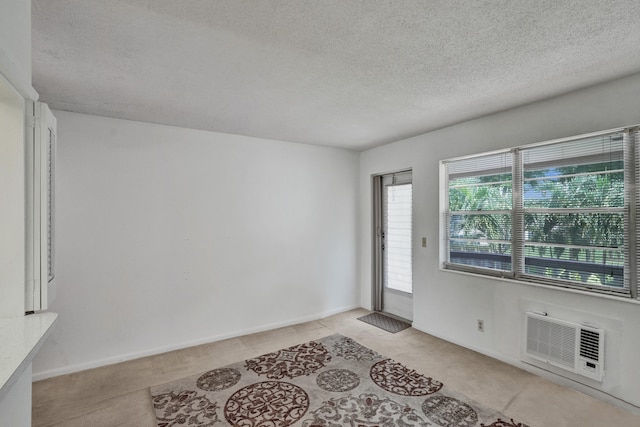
pixel 577 348
pixel 551 341
pixel 589 344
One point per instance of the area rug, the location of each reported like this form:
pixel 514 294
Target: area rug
pixel 333 381
pixel 387 323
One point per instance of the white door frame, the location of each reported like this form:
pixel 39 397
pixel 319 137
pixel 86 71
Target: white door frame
pixel 378 290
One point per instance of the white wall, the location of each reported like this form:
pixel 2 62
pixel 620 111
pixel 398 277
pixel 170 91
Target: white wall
pixel 15 44
pixel 448 304
pixel 12 194
pixel 15 68
pixel 15 84
pixel 169 237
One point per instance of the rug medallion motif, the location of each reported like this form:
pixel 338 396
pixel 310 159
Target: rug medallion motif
pixel 330 382
pixel 303 359
pixel 218 379
pixel 449 411
pixel 269 403
pixel 500 423
pixel 338 380
pixel 398 379
pixel 365 410
pixel 184 408
pixel 351 350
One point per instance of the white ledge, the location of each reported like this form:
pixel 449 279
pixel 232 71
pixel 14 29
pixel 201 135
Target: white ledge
pixel 20 339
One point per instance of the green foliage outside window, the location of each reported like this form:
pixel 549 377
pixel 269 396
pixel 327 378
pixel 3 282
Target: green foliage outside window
pixel 591 236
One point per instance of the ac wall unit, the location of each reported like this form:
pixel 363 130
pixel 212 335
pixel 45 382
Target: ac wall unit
pixel 570 346
pixel 40 206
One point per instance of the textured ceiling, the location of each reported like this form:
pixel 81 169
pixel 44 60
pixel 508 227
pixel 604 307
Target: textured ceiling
pixel 347 73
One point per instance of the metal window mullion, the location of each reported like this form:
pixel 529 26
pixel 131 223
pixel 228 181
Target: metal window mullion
pixel 631 163
pixel 517 216
pixel 447 242
pixel 447 216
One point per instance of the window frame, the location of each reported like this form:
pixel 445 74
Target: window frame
pixel 631 167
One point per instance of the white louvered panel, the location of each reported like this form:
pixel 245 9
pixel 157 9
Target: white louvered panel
pixel 497 163
pixel 551 341
pixel 590 344
pixel 602 148
pixel 397 251
pixel 591 353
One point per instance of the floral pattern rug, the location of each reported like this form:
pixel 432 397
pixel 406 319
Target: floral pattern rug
pixel 334 381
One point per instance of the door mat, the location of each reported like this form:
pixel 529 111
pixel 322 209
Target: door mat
pixel 387 323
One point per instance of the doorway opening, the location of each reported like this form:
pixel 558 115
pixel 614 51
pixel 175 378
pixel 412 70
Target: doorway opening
pixel 392 251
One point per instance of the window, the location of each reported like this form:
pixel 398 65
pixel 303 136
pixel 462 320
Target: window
pixel 559 213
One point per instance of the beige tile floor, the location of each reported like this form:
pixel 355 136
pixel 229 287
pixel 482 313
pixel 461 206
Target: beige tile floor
pixel 118 395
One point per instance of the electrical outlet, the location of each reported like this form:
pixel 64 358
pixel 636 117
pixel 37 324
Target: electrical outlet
pixel 480 325
pixel 424 242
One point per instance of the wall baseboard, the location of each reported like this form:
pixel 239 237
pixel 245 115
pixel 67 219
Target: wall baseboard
pixel 38 376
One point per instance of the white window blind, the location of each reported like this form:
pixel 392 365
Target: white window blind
pixel 574 212
pixel 479 214
pixel 398 258
pixel 559 213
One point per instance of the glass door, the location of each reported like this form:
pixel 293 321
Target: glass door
pixel 394 284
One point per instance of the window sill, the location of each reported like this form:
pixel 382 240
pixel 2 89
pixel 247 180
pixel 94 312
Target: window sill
pixel 21 339
pixel 550 287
